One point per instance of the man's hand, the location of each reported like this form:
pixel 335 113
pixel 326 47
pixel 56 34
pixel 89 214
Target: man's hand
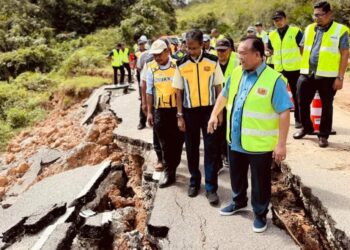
pixel 338 84
pixel 220 118
pixel 212 124
pixel 279 154
pixel 181 124
pixel 150 119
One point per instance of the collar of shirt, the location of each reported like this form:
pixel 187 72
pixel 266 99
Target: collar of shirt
pixel 283 30
pixel 167 65
pixel 324 29
pixel 198 59
pixel 258 70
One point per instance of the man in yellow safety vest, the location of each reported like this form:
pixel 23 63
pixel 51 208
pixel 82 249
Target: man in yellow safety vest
pixel 257 104
pixel 284 44
pixel 228 60
pixel 215 36
pixel 198 80
pixel 126 65
pixel 116 56
pixel 161 97
pixel 323 65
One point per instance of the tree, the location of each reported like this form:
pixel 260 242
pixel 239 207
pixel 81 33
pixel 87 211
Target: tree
pixel 150 18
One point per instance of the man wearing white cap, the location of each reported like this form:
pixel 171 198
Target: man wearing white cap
pixel 207 46
pixel 251 31
pixel 162 97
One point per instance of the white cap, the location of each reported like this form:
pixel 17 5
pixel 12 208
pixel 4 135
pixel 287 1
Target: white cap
pixel 143 38
pixel 251 29
pixel 158 47
pixel 206 38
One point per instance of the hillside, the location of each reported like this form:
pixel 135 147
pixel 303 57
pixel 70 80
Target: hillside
pixel 60 46
pixel 233 16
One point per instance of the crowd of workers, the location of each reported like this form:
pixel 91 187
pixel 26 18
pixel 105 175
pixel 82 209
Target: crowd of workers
pixel 238 100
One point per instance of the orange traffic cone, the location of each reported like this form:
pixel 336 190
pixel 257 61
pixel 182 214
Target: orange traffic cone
pixel 316 111
pixel 291 97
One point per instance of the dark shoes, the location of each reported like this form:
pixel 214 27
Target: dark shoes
pixel 260 224
pixel 322 142
pixel 300 134
pixel 213 198
pixel 167 179
pixel 193 191
pixel 141 126
pixel 231 209
pixel 298 125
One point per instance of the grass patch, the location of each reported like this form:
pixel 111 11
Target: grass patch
pixel 82 82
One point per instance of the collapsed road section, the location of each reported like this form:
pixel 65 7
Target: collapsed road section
pixel 68 184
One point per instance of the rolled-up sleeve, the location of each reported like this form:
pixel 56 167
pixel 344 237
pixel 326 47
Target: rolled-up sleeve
pixel 219 76
pixel 226 89
pixel 281 100
pixel 149 82
pixel 143 74
pixel 177 81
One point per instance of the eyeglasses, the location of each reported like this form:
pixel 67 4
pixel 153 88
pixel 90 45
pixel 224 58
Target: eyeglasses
pixel 221 50
pixel 319 15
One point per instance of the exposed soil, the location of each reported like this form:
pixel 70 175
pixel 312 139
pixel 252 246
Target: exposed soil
pixel 289 214
pixel 81 146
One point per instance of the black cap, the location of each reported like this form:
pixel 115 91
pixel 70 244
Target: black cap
pixel 223 44
pixel 279 14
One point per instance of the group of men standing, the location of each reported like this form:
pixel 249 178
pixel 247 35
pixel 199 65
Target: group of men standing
pixel 246 106
pixel 120 60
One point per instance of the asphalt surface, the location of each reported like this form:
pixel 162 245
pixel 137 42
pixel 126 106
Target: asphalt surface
pixel 326 170
pixel 192 222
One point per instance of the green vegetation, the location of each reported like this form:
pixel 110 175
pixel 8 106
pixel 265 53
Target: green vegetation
pixel 49 45
pixel 232 17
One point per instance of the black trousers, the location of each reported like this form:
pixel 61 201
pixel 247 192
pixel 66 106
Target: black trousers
pixel 127 66
pixel 260 168
pixel 115 71
pixel 196 120
pixel 292 77
pixel 307 87
pixel 171 139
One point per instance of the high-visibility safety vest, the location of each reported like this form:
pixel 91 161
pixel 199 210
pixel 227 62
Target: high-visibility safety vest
pixel 260 122
pixel 286 53
pixel 213 40
pixel 329 56
pixel 165 94
pixel 232 63
pixel 262 34
pixel 198 78
pixel 126 55
pixel 117 58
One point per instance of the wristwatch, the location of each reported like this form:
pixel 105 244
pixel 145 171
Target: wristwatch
pixel 179 115
pixel 341 78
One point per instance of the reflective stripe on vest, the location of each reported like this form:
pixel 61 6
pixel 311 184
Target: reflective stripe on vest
pixel 286 53
pixel 329 56
pixel 233 63
pixel 126 55
pixel 198 79
pixel 165 94
pixel 117 58
pixel 260 122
